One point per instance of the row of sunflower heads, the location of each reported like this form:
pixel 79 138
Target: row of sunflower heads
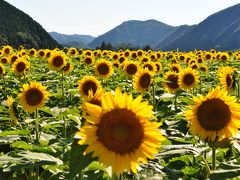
pixel 118 129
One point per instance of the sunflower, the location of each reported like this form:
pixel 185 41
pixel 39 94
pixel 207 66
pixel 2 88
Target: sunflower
pixel 32 52
pixel 6 50
pixel 115 56
pixel 67 68
pixel 48 53
pixel 176 68
pixel 20 66
pixel 194 66
pixel 214 117
pixel 187 78
pixel 13 58
pixel 88 60
pixel 139 53
pixel 2 69
pixel 119 133
pixel 87 84
pixel 158 66
pixel 130 68
pixel 208 56
pixel 103 68
pixel 133 55
pixel 224 56
pixel 121 59
pixel 72 51
pixel 126 53
pixel 144 59
pixel 4 60
pixel 93 99
pixel 87 53
pixel 142 80
pixel 41 53
pixel 57 61
pixel 116 64
pixel 150 66
pixel 12 109
pixel 171 83
pixel 33 96
pixel 203 67
pixel 227 77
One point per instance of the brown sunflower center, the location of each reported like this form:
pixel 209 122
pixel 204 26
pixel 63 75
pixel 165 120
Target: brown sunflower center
pixel 175 69
pixel 21 66
pixel 89 85
pixel 4 60
pixel 67 67
pixel 96 102
pixel 145 80
pixel 103 69
pixel 148 66
pixel 88 60
pixel 208 56
pixel 58 61
pixel 7 51
pixel 41 53
pixel 32 52
pixel 120 131
pixel 188 79
pixel 173 81
pixel 1 70
pixel 131 69
pixel 213 114
pixel 229 81
pixel 34 96
pixel 224 58
pixel 13 59
pixel 115 57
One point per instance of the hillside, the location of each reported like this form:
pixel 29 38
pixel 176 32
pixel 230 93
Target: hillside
pixel 136 33
pixel 17 28
pixel 220 31
pixel 75 40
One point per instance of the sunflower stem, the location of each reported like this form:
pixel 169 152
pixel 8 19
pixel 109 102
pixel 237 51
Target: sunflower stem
pixel 153 96
pixel 4 87
pixel 36 126
pixel 63 90
pixel 213 158
pixel 175 101
pixel 115 177
pixel 207 166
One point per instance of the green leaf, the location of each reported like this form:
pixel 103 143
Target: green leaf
pixel 78 161
pixel 190 170
pixel 14 132
pixel 21 145
pixel 225 174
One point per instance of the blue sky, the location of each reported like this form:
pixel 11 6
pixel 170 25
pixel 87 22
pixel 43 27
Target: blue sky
pixel 95 17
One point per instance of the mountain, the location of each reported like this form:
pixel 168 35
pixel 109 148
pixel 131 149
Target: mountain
pixel 17 28
pixel 136 33
pixel 220 31
pixel 75 40
pixel 180 31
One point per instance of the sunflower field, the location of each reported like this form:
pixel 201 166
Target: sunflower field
pixel 100 114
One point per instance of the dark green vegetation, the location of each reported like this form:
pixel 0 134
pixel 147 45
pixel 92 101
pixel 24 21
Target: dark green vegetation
pixel 17 28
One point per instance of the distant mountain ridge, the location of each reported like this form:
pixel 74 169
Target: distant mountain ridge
pixel 136 33
pixel 75 40
pixel 220 31
pixel 17 28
